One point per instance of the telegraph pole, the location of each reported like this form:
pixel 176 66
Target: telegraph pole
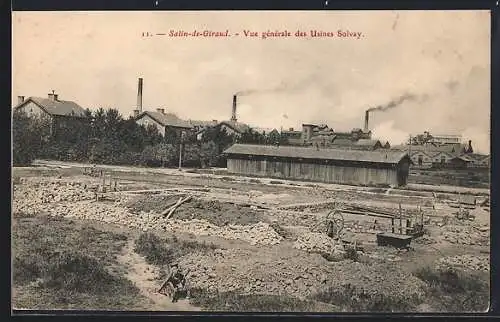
pixel 180 151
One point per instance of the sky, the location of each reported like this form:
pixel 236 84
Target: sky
pixel 435 64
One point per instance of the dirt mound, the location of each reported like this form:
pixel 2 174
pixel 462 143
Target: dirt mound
pixel 213 211
pixel 152 202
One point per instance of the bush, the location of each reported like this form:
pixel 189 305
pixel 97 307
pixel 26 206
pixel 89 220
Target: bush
pixel 356 299
pixel 184 247
pixel 352 254
pixel 231 301
pixel 77 272
pixel 27 269
pixel 454 290
pixel 153 249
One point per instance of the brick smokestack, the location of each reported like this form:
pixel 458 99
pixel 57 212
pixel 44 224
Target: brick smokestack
pixel 233 112
pixel 367 117
pixel 20 99
pixel 139 96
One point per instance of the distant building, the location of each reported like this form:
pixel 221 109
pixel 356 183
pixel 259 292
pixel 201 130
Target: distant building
pixel 422 159
pixel 442 158
pixel 354 167
pixel 58 113
pixel 164 122
pixel 369 144
pixel 479 160
pixel 459 162
pixel 322 135
pixel 199 125
pixel 263 130
pixel 445 139
pixel 293 137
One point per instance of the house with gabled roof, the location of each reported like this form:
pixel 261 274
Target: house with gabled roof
pixel 164 122
pixel 56 112
pixel 422 159
pixel 368 144
pixel 479 160
pixel 441 158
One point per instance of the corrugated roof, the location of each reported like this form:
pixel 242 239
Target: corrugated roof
pixel 56 107
pixel 463 158
pixel 477 156
pixel 167 119
pixel 388 157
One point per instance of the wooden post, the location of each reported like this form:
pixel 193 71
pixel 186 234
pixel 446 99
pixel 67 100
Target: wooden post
pixel 400 220
pixel 392 224
pixel 180 156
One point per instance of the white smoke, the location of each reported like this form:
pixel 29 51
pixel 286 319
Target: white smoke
pixel 386 131
pixel 480 139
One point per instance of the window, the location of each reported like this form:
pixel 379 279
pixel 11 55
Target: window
pixel 420 160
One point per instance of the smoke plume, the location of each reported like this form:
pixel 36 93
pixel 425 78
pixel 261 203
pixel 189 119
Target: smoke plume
pixel 280 88
pixel 395 103
pixel 301 84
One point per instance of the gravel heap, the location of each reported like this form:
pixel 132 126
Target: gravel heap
pixel 468 262
pixel 466 235
pixel 113 212
pixel 297 274
pixel 314 242
pixel 255 234
pixel 31 194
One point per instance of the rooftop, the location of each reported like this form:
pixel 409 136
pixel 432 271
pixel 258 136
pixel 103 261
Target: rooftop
pixel 367 142
pixel 166 119
pixel 56 107
pixel 387 157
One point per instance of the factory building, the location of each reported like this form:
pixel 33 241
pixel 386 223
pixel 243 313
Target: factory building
pixel 353 167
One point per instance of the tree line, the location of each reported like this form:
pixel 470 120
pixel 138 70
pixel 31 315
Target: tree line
pixel 106 137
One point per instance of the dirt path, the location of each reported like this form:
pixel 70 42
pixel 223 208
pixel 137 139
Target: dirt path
pixel 143 276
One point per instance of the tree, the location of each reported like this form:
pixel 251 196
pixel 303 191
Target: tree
pixel 252 137
pixel 27 136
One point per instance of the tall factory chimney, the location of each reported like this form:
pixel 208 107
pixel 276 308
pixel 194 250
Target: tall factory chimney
pixel 138 109
pixel 139 95
pixel 367 116
pixel 233 112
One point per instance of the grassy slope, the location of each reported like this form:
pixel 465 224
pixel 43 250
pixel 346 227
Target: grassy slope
pixel 60 264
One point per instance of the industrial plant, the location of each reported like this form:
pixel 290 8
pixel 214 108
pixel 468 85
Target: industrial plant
pixel 168 214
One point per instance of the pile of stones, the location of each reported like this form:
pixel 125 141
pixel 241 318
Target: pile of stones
pixel 467 262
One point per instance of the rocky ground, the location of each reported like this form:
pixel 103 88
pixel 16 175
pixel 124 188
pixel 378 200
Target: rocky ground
pixel 264 247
